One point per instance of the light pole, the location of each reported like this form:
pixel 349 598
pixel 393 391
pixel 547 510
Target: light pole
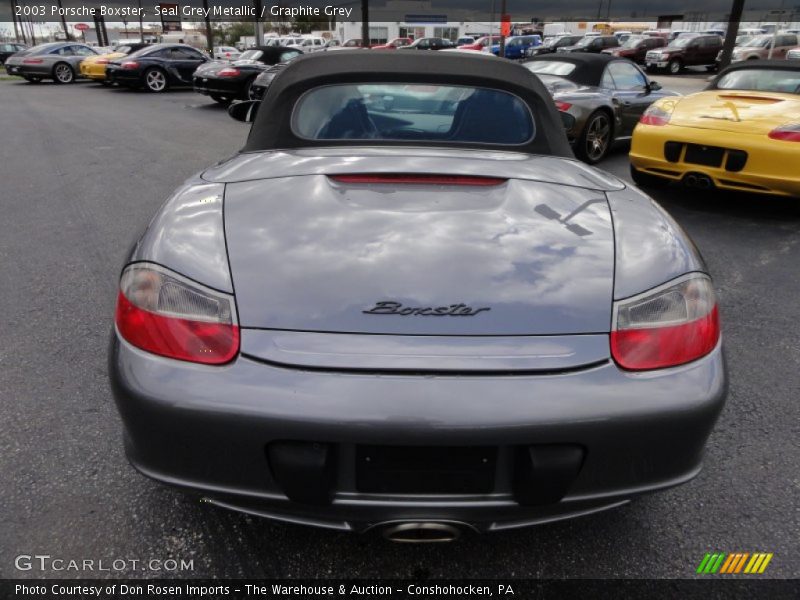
pixel 141 25
pixel 502 50
pixel 733 30
pixel 365 23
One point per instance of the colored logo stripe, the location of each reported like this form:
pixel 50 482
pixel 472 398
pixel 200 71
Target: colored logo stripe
pixel 711 562
pixel 734 563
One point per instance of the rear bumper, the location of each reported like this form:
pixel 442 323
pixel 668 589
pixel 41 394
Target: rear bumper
pixel 23 70
pixel 208 86
pixel 94 72
pixel 208 428
pixel 769 168
pixel 123 76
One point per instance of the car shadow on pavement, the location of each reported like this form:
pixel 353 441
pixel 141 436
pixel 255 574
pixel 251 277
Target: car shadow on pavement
pixel 265 548
pixel 743 205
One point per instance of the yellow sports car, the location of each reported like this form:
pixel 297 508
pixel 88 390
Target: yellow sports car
pixel 94 67
pixel 741 133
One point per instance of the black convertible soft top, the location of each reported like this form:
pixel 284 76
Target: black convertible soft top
pixel 272 54
pixel 271 128
pixel 589 67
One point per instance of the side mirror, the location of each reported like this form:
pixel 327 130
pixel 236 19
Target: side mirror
pixel 654 86
pixel 244 111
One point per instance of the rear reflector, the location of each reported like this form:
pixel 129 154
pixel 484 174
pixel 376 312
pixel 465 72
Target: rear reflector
pixel 786 133
pixel 655 115
pixel 166 314
pixel 413 179
pixel 669 326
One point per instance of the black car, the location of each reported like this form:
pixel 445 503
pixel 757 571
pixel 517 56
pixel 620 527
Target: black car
pixel 429 43
pixel 157 67
pixel 592 43
pixel 600 97
pixel 8 49
pixel 263 81
pixel 225 81
pixel 553 45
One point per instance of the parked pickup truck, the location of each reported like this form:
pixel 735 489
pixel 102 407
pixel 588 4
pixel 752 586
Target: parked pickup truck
pixel 686 51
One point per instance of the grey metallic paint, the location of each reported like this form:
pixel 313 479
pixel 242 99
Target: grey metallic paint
pixel 205 428
pixel 187 235
pixel 548 250
pixel 310 254
pixel 49 61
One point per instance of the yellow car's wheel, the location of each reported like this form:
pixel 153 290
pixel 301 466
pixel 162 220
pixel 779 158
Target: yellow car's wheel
pixel 645 180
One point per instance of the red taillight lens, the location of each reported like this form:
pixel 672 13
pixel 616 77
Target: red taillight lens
pixel 166 314
pixel 102 61
pixel 229 72
pixel 666 327
pixel 130 65
pixel 423 179
pixel 33 61
pixel 786 133
pixel 655 116
pixel 563 106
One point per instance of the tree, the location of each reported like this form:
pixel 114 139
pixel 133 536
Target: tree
pixel 306 24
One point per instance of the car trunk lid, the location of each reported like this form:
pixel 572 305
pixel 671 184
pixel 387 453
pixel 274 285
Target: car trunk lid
pixel 335 254
pixel 737 111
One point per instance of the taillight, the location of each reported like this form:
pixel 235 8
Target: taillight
pixel 130 65
pixel 787 133
pixel 229 72
pixel 655 115
pixel 422 179
pixel 164 313
pixel 33 61
pixel 669 326
pixel 563 106
pixel 101 61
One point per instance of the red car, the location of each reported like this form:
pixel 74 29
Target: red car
pixel 393 44
pixel 636 47
pixel 481 43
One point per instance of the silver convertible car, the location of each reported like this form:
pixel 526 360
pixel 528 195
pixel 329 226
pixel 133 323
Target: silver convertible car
pixel 59 61
pixel 405 307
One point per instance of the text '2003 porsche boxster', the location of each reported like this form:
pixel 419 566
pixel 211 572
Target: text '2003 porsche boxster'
pixel 405 306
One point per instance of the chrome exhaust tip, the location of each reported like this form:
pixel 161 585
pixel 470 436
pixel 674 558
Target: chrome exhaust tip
pixel 422 532
pixel 698 181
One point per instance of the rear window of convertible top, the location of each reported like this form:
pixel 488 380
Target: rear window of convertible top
pixel 413 112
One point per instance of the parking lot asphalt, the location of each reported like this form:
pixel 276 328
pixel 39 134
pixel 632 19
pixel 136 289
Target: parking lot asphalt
pixel 84 168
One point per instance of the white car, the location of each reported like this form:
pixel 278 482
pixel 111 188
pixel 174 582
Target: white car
pixel 226 53
pixel 312 44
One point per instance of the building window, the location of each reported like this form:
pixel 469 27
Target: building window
pixel 378 35
pixel 450 33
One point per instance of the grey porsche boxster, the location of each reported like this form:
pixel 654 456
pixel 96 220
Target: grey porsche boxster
pixel 600 97
pixel 405 307
pixel 59 61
